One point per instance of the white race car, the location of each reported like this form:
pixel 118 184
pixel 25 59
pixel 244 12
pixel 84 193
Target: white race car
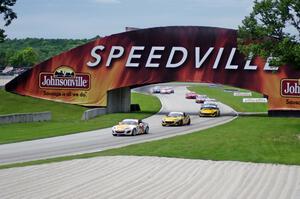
pixel 130 127
pixel 200 99
pixel 156 89
pixel 210 101
pixel 166 90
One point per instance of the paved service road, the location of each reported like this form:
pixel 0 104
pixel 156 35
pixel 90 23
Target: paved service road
pixel 102 139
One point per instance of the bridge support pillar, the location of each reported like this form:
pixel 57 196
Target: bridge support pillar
pixel 118 100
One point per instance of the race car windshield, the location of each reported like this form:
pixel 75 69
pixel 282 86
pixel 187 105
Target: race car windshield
pixel 209 106
pixel 173 114
pixel 129 122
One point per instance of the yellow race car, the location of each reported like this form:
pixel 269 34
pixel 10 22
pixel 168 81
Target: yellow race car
pixel 211 110
pixel 176 119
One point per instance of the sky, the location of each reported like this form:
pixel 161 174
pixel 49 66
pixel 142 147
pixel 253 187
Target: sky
pixel 84 19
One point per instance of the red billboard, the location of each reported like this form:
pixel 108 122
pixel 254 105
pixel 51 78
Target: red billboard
pixel 85 74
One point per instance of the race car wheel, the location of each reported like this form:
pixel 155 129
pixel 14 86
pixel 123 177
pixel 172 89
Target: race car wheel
pixel 181 123
pixel 133 132
pixel 147 130
pixel 189 122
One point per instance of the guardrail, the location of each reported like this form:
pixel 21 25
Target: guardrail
pixel 92 113
pixel 25 117
pixel 252 113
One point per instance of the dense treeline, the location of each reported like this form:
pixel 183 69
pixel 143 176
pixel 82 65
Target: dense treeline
pixel 30 51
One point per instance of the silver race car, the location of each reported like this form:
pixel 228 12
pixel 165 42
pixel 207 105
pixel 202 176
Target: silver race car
pixel 130 127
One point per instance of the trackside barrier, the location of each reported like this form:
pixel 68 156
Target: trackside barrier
pixel 25 117
pixel 92 113
pixel 252 113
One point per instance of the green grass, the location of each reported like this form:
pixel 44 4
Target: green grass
pixel 66 117
pixel 253 139
pixel 236 102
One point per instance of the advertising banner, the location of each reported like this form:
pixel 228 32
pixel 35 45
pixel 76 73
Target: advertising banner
pixel 85 74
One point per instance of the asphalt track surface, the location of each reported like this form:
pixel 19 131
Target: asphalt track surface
pixel 102 139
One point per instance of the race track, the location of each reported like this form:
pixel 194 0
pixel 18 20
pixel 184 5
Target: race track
pixel 102 139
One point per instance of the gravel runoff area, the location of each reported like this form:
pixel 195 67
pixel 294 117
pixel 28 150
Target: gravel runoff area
pixel 151 177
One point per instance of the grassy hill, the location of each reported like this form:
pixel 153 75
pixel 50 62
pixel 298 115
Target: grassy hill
pixel 66 117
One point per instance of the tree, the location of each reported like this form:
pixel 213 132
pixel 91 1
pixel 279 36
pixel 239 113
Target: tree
pixel 2 59
pixel 8 13
pixel 272 30
pixel 30 56
pixel 24 58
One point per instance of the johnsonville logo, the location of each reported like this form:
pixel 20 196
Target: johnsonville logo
pixel 290 87
pixel 64 77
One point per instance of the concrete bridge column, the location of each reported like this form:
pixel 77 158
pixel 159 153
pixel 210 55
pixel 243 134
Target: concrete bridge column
pixel 118 100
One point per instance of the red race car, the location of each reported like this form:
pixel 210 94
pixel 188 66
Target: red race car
pixel 191 95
